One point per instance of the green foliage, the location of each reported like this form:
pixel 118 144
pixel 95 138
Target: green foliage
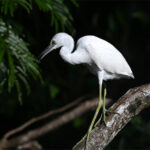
pixel 9 7
pixel 78 122
pixel 60 15
pixel 16 62
pixel 141 16
pixel 75 3
pixel 53 91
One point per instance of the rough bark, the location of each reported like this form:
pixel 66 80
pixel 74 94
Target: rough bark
pixel 128 106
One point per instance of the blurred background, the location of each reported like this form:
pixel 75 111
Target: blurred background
pixel 29 88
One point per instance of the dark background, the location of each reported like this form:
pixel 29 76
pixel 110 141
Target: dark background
pixel 125 24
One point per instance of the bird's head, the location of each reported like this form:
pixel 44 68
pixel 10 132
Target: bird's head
pixel 58 40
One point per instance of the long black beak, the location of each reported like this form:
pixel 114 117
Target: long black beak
pixel 45 52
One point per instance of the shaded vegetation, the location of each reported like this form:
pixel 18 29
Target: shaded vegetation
pixel 16 61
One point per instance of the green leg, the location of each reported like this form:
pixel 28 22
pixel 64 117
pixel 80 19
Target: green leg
pixel 103 115
pixel 98 120
pixel 100 102
pixel 95 115
pixel 79 142
pixel 104 106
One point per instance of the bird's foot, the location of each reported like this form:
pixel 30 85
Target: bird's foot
pixel 106 112
pixel 104 115
pixel 111 112
pixel 102 118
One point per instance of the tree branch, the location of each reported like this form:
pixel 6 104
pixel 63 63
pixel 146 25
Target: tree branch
pixel 128 106
pixel 6 143
pixel 41 117
pixel 32 145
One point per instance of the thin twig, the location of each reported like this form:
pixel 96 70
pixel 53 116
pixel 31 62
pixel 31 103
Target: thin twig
pixel 39 118
pixel 50 126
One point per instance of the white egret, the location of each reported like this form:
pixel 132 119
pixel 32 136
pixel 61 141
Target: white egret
pixel 101 57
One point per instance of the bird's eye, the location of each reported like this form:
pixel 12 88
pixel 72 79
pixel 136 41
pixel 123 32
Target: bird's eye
pixel 53 43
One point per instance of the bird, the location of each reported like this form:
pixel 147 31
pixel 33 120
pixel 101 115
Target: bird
pixel 100 56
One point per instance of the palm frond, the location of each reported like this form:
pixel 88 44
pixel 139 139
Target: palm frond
pixel 17 63
pixel 9 6
pixel 60 14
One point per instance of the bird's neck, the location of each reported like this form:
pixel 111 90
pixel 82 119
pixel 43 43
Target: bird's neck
pixel 66 52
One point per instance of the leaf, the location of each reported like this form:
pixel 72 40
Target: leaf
pixel 53 91
pixel 26 84
pixel 141 15
pixel 75 3
pixel 9 6
pixel 20 64
pixel 137 120
pixel 33 69
pixel 11 77
pixel 27 5
pixel 2 52
pixel 17 64
pixel 78 122
pixel 2 84
pixel 60 14
pixel 18 87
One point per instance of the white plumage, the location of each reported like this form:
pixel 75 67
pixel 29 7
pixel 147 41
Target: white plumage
pixel 97 53
pixel 105 56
